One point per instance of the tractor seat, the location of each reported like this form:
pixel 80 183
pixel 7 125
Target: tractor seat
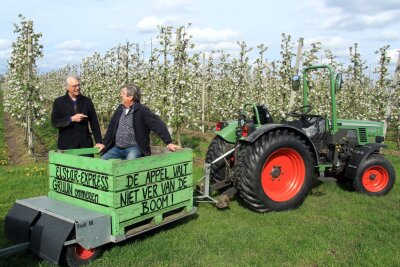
pixel 265 116
pixel 314 126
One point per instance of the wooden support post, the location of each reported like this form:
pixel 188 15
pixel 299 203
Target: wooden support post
pixel 126 62
pixel 178 61
pixel 203 94
pixel 296 70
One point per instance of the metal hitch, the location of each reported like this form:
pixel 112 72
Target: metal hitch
pixel 204 188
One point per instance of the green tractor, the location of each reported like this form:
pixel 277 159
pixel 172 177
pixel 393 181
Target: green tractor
pixel 274 165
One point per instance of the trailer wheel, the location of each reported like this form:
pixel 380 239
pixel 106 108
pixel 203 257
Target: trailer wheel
pixel 376 176
pixel 76 255
pixel 217 148
pixel 276 172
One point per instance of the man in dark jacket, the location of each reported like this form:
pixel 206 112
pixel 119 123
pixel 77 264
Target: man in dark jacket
pixel 72 114
pixel 128 134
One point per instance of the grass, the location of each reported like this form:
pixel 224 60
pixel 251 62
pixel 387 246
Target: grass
pixel 333 227
pixel 47 135
pixel 19 183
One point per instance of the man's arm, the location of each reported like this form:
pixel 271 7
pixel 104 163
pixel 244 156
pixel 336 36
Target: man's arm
pixel 59 118
pixel 173 147
pixel 157 125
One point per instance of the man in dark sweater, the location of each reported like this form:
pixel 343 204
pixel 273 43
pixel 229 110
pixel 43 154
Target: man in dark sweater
pixel 72 114
pixel 128 134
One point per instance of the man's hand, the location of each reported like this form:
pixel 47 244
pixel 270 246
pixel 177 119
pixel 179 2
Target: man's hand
pixel 100 146
pixel 78 117
pixel 173 147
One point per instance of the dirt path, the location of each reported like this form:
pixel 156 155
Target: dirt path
pixel 17 150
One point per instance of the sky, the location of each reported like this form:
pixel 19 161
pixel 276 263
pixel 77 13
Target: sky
pixel 76 29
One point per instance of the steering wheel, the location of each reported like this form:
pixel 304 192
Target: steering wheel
pixel 300 112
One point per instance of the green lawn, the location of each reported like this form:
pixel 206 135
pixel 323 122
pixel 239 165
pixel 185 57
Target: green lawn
pixel 332 227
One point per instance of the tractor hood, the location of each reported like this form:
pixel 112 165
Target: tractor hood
pixel 367 130
pixel 359 123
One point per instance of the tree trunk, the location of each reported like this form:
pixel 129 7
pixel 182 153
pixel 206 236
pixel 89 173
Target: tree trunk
pixel 178 136
pixel 398 135
pixel 389 104
pixel 25 127
pixel 29 122
pixel 203 94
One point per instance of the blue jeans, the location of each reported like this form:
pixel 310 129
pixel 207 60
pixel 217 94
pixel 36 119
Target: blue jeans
pixel 131 152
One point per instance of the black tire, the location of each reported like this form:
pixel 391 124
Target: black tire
pixel 217 148
pixel 376 176
pixel 76 255
pixel 264 191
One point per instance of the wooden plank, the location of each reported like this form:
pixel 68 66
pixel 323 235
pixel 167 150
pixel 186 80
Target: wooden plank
pixel 186 205
pixel 81 203
pixel 80 151
pixel 81 192
pixel 149 176
pixel 126 167
pixel 155 205
pixel 147 192
pixel 81 162
pixel 92 179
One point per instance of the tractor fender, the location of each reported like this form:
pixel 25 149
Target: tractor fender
pixel 359 156
pixel 228 133
pixel 265 129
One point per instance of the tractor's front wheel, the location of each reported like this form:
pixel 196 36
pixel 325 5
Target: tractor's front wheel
pixel 376 176
pixel 276 172
pixel 217 148
pixel 76 255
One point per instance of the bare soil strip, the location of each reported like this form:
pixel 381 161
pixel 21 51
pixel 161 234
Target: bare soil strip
pixel 17 150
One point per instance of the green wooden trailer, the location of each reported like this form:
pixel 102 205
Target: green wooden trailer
pixel 92 202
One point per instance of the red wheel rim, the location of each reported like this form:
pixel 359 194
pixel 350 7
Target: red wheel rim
pixel 283 174
pixel 83 253
pixel 375 179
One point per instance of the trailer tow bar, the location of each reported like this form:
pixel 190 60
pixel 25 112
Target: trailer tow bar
pixel 203 189
pixel 14 249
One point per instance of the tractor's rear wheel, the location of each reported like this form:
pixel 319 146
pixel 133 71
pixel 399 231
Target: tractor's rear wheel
pixel 376 176
pixel 217 148
pixel 276 172
pixel 76 255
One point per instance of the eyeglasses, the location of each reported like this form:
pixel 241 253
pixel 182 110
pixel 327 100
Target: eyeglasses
pixel 75 85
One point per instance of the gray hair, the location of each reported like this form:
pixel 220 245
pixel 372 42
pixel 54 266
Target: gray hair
pixel 71 76
pixel 133 90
